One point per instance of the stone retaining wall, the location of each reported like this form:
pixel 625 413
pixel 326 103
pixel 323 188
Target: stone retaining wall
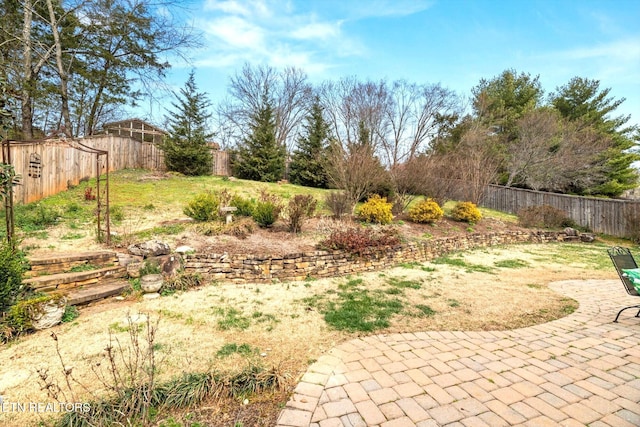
pixel 298 266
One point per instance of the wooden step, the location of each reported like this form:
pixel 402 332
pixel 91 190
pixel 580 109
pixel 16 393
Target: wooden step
pixel 67 281
pixel 60 263
pixel 87 294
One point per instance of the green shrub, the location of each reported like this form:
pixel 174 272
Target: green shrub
pixel 71 313
pixel 339 204
pixel 204 207
pixel 377 210
pixel 267 209
pixel 427 212
pixel 466 212
pixel 13 264
pixel 188 156
pixel 244 206
pixel 265 213
pixel 301 206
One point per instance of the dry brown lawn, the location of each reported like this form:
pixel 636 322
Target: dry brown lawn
pixel 283 323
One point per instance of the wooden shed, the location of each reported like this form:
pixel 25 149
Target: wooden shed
pixel 135 128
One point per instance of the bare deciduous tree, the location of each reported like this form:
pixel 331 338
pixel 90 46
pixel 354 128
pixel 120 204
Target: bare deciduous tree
pixel 351 104
pixel 476 161
pixel 82 56
pixel 356 170
pixel 286 90
pixel 574 163
pixel 413 119
pixel 538 137
pixel 430 175
pixel 554 154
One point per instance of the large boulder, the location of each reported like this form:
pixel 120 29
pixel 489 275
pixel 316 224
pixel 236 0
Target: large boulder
pixel 48 314
pixel 587 237
pixel 151 248
pixel 169 264
pixel 125 259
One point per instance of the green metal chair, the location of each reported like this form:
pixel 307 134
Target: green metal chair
pixel 623 260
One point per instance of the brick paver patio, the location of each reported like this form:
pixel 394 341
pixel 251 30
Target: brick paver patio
pixel 576 371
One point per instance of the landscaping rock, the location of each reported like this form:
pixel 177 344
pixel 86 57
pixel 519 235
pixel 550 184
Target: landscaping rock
pixel 168 264
pixel 587 237
pixel 49 314
pixel 133 269
pixel 125 259
pixel 572 232
pixel 184 249
pixel 150 248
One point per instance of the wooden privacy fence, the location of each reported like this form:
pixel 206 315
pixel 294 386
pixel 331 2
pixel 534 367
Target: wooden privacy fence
pixel 608 216
pixel 50 166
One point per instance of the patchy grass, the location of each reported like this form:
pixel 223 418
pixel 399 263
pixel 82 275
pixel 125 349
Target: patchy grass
pixel 425 310
pixel 356 308
pixel 232 318
pixel 457 261
pixel 511 263
pixel 400 283
pixel 233 348
pixel 133 194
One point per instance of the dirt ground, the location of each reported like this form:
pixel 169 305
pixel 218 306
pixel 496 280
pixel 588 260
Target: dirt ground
pixel 274 240
pixel 283 329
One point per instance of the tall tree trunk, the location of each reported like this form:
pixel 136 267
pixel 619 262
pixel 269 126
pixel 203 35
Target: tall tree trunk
pixel 91 120
pixel 28 78
pixel 64 76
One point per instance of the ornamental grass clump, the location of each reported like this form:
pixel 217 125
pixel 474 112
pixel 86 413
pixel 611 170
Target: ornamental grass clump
pixel 376 210
pixel 466 212
pixel 426 212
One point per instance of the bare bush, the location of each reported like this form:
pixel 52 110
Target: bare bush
pixel 544 216
pixel 339 203
pixel 355 170
pixel 476 161
pixel 300 207
pixel 432 176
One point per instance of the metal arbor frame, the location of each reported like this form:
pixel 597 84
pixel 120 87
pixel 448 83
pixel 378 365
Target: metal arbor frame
pixel 102 210
pixel 8 199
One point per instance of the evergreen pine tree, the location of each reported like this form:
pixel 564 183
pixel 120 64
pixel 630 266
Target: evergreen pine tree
pixel 259 157
pixel 582 101
pixel 308 163
pixel 185 149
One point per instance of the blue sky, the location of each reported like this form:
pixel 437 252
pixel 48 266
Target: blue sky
pixel 451 42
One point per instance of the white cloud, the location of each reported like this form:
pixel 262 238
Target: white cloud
pixel 232 7
pixel 272 32
pixel 381 8
pixel 317 30
pixel 621 50
pixel 236 33
pixel 617 62
pixel 310 36
pixel 246 8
